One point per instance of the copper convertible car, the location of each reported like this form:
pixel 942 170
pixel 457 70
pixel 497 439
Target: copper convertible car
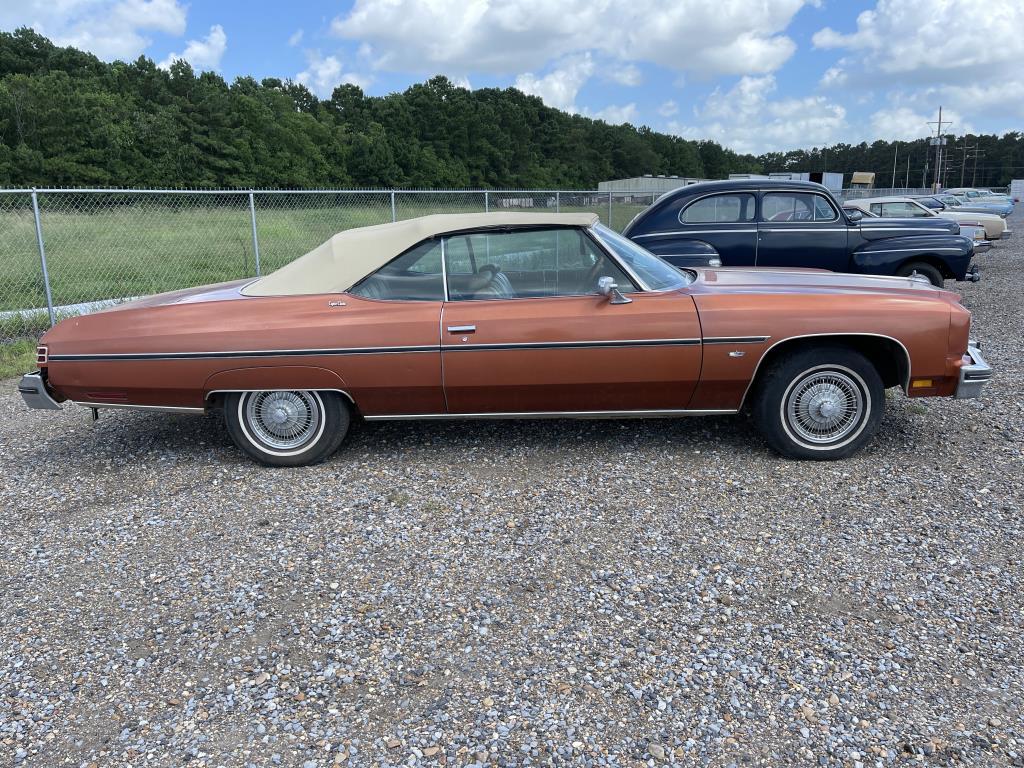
pixel 504 315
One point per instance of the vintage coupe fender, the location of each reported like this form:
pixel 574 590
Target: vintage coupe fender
pixel 505 315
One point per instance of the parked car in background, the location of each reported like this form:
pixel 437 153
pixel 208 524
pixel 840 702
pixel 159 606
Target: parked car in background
pixel 979 206
pixel 908 208
pixel 975 232
pixel 515 315
pixel 1001 204
pixel 768 223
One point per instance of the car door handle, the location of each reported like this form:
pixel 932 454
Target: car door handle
pixel 461 328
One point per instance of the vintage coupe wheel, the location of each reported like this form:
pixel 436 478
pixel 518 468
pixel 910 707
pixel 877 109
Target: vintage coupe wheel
pixel 821 403
pixel 287 428
pixel 924 270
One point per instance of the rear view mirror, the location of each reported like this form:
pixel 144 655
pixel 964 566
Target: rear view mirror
pixel 854 215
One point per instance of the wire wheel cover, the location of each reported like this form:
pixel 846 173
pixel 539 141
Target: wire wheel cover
pixel 283 420
pixel 824 407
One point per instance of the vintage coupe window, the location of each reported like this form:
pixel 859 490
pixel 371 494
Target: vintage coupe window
pixel 528 263
pixel 413 276
pixel 796 206
pixel 719 209
pixel 659 275
pixel 903 210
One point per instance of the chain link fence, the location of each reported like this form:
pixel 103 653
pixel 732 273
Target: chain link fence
pixel 68 251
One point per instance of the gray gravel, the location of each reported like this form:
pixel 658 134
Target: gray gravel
pixel 548 593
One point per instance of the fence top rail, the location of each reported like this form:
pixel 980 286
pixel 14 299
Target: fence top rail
pixel 254 191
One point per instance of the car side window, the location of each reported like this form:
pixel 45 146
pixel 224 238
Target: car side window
pixel 719 209
pixel 414 276
pixel 796 206
pixel 876 208
pixel 902 210
pixel 529 263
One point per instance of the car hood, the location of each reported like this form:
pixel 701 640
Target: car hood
pixel 761 280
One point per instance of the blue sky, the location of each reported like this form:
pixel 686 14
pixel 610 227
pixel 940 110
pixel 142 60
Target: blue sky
pixel 756 75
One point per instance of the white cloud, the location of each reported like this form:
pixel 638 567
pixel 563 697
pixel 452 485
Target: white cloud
pixel 904 123
pixel 747 120
pixel 111 29
pixel 617 115
pixel 324 73
pixel 833 77
pixel 702 36
pixel 202 54
pixel 559 87
pixel 295 38
pixel 626 74
pixel 931 52
pixel 668 109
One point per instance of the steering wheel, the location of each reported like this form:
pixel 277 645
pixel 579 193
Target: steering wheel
pixel 593 274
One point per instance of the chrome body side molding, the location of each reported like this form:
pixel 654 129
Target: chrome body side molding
pixel 644 414
pixel 132 407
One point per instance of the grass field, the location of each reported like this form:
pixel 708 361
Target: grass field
pixel 116 246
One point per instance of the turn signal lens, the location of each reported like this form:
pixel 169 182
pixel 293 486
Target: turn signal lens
pixel 921 383
pixel 42 354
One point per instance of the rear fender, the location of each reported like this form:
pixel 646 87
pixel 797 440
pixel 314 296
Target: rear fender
pixel 684 252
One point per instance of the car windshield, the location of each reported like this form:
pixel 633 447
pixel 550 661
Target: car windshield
pixel 657 274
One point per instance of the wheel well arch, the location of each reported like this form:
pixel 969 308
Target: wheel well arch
pixel 931 259
pixel 888 355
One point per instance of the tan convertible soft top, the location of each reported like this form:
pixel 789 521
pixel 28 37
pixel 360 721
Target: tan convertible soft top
pixel 351 255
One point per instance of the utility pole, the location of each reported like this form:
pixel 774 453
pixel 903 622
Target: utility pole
pixel 938 141
pixel 906 181
pixel 895 154
pixel 963 160
pixel 976 154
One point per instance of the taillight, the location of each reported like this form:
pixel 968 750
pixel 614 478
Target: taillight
pixel 42 354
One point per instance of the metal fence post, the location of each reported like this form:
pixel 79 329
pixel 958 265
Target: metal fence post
pixel 487 202
pixel 610 211
pixel 42 259
pixel 255 237
pixel 394 217
pixel 558 201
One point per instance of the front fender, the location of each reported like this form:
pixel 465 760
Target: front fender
pixel 880 257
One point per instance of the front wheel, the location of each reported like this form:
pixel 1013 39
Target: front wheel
pixel 820 403
pixel 924 269
pixel 287 428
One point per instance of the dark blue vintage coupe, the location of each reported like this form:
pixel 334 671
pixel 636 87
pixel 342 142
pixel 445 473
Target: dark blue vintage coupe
pixel 775 223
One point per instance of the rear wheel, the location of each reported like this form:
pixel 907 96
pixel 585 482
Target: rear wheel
pixel 820 403
pixel 287 428
pixel 924 269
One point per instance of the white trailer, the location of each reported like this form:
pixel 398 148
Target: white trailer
pixel 1017 190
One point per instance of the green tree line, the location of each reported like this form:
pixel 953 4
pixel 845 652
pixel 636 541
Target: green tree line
pixel 69 119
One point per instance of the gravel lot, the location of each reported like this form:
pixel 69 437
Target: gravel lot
pixel 587 593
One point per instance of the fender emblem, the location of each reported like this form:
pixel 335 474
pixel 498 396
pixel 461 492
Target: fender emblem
pixel 737 353
pixel 336 304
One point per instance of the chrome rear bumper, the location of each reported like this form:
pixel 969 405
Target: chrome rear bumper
pixel 973 375
pixel 32 389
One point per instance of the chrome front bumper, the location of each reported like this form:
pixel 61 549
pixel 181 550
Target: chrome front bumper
pixel 973 375
pixel 33 391
pixel 980 246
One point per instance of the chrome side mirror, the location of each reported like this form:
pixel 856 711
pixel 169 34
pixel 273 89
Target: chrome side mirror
pixel 854 215
pixel 607 286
